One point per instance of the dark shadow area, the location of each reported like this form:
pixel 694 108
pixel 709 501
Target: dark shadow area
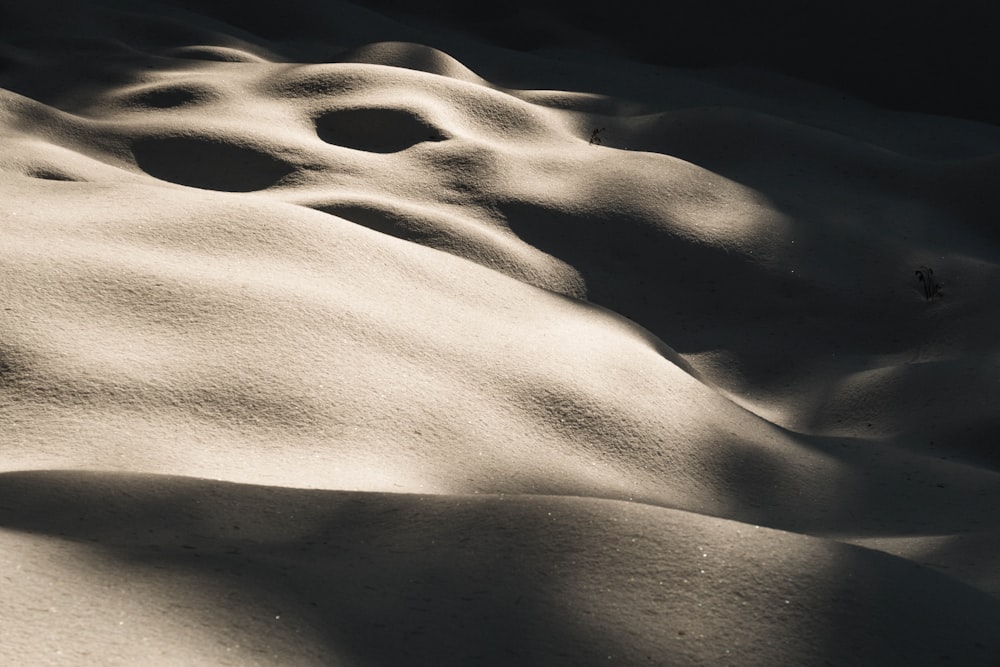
pixel 890 491
pixel 973 558
pixel 62 52
pixel 209 164
pixel 644 271
pixel 47 174
pixel 384 221
pixel 388 578
pixel 973 441
pixel 14 363
pixel 811 172
pixel 917 402
pixel 936 58
pixel 694 296
pixel 864 210
pixel 7 370
pixel 375 130
pixel 168 97
pixel 458 580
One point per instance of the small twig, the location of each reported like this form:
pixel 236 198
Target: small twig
pixel 932 288
pixel 595 136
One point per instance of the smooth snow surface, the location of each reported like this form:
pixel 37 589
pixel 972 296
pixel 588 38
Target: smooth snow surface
pixel 321 345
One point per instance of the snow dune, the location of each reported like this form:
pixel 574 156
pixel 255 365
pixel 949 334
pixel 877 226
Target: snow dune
pixel 324 345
